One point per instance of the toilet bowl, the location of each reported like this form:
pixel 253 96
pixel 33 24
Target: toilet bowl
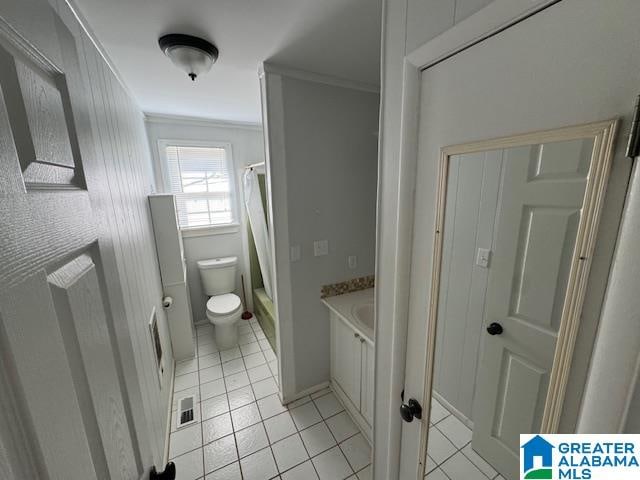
pixel 224 308
pixel 224 311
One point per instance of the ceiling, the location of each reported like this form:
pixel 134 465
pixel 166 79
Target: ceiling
pixel 333 37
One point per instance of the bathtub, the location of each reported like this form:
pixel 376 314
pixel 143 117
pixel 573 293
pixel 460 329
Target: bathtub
pixel 352 346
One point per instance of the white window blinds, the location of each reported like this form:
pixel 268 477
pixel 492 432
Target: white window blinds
pixel 201 179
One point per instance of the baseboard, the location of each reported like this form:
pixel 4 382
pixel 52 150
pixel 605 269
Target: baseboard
pixel 304 393
pixel 352 411
pixel 454 411
pixel 170 410
pixel 199 323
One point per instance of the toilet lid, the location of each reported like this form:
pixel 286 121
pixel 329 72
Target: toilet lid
pixel 223 304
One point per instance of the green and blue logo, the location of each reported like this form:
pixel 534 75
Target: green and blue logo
pixel 537 459
pixel 580 457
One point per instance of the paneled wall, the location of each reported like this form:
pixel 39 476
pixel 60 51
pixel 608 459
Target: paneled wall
pixel 131 267
pixel 470 214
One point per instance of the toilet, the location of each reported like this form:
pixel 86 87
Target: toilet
pixel 224 308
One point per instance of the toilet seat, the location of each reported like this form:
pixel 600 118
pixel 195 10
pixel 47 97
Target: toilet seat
pixel 223 305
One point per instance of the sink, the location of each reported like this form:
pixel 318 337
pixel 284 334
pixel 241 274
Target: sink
pixel 364 314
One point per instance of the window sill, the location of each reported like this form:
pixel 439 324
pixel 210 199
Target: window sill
pixel 189 232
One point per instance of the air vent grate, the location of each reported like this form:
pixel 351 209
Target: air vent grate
pixel 186 414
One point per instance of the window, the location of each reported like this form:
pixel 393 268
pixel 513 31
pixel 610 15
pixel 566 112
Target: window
pixel 202 180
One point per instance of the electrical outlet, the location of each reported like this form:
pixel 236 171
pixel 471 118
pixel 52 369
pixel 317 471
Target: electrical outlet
pixel 320 247
pixel 352 260
pixel 483 257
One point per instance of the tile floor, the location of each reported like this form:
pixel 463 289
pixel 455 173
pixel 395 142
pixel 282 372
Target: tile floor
pixel 449 452
pixel 243 431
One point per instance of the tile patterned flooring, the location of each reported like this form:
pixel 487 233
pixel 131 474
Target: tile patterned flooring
pixel 449 452
pixel 242 430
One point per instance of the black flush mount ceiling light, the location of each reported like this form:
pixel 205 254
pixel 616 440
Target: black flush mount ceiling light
pixel 191 54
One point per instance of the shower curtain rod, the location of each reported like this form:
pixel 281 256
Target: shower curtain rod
pixel 253 165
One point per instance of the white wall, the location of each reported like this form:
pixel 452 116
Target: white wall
pixel 428 19
pixel 126 237
pixel 392 265
pixel 330 155
pixel 247 147
pixel 612 396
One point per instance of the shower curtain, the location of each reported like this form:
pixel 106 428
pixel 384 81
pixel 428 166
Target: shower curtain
pixel 257 220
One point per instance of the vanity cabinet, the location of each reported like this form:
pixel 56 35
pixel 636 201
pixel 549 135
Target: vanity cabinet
pixel 352 371
pixel 347 359
pixel 366 397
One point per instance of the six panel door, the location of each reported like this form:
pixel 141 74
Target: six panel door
pixel 61 375
pixel 541 195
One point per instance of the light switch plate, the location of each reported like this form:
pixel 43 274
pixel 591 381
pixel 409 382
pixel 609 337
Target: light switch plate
pixel 294 253
pixel 483 257
pixel 321 247
pixel 352 260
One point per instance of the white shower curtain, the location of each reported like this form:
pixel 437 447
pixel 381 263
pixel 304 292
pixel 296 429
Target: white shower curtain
pixel 257 220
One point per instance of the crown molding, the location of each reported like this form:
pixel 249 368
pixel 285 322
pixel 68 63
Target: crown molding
pixel 198 121
pixel 267 67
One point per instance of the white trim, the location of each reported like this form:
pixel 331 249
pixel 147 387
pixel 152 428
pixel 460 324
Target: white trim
pixel 305 392
pixel 317 78
pixel 276 175
pixel 391 273
pixel 169 413
pixel 453 410
pixel 398 153
pixel 198 121
pixel 494 18
pixel 211 230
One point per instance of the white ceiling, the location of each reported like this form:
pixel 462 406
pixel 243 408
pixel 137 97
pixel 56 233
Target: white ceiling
pixel 332 37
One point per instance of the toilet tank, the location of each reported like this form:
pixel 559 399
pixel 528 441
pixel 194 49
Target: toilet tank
pixel 218 275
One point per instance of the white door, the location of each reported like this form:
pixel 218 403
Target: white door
pixel 541 199
pixel 65 414
pixel 346 359
pixel 572 63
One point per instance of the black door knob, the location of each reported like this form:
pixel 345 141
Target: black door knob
pixel 495 329
pixel 410 410
pixel 169 472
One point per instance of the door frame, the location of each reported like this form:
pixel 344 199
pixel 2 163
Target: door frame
pixel 397 166
pixel 604 135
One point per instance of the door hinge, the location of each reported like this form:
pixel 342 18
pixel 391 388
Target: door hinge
pixel 633 147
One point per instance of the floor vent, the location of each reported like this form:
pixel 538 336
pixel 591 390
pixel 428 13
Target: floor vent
pixel 186 413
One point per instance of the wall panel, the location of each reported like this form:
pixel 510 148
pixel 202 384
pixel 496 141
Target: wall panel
pixel 118 184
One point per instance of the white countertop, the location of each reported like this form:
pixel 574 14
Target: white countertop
pixel 344 305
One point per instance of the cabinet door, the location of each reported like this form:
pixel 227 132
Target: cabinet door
pixel 366 396
pixel 346 359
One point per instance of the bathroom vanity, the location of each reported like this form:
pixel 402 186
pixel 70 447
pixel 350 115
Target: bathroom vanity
pixel 353 354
